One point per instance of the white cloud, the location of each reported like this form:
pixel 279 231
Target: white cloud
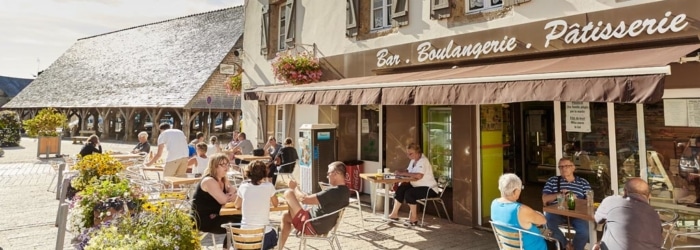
pixel 44 29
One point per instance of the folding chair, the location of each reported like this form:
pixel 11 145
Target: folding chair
pixel 331 236
pixel 511 238
pixel 325 186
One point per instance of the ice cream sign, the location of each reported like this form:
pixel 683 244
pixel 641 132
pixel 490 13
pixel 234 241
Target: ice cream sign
pixel 558 31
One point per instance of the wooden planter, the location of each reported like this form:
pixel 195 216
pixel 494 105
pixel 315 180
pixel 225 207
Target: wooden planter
pixel 48 145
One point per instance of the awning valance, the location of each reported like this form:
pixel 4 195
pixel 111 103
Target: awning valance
pixel 633 76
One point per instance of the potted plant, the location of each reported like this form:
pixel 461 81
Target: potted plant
pixel 44 126
pixel 234 84
pixel 297 69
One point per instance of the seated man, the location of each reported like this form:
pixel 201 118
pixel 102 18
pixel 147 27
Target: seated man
pixel 143 145
pixel 326 201
pixel 563 184
pixel 631 223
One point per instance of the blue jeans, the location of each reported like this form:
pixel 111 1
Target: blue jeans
pixel 581 227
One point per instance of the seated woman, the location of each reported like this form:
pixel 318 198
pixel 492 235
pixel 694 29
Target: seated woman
pixel 251 200
pixel 419 168
pixel 508 210
pixel 198 163
pixel 91 146
pixel 213 191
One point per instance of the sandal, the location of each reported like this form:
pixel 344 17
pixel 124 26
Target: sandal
pixel 393 219
pixel 413 223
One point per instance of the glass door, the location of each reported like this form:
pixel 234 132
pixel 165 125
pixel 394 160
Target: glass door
pixel 437 140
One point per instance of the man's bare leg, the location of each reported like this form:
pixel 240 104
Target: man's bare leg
pixel 294 208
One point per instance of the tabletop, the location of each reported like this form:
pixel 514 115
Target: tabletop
pixel 182 180
pixel 373 178
pixel 582 211
pixel 234 211
pixel 252 157
pixel 127 156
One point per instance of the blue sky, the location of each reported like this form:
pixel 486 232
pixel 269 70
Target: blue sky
pixel 34 33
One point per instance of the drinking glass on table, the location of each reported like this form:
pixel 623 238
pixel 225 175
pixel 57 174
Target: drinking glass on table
pixel 560 201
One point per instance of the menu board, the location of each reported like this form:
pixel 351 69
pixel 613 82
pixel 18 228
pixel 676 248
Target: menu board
pixel 578 117
pixel 694 113
pixel 675 112
pixel 682 112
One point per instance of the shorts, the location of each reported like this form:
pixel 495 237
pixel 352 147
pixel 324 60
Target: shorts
pixel 298 222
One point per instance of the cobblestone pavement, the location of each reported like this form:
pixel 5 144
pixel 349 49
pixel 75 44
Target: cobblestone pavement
pixel 28 213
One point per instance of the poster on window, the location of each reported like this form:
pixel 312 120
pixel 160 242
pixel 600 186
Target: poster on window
pixel 693 113
pixel 676 112
pixel 578 117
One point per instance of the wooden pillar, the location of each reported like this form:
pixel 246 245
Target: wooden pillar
pixel 128 114
pixel 105 114
pixel 155 114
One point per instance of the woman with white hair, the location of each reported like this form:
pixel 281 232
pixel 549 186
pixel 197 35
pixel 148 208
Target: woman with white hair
pixel 508 210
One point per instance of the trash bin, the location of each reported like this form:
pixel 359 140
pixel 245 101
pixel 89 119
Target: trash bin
pixel 352 176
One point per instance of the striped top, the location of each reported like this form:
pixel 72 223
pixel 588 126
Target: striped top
pixel 578 186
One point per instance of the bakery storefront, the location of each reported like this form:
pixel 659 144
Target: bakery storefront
pixel 616 89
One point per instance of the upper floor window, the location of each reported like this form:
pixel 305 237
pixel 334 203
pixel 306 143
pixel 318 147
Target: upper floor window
pixel 381 14
pixel 282 32
pixel 481 5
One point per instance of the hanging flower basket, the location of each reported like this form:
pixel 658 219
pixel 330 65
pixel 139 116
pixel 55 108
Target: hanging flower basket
pixel 234 85
pixel 297 69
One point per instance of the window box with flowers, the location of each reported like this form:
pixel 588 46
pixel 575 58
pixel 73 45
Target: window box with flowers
pixel 297 69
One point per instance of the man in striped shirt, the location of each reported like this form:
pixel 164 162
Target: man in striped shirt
pixel 563 184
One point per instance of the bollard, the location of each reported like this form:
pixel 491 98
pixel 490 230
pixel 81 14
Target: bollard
pixel 59 179
pixel 63 215
pixel 64 190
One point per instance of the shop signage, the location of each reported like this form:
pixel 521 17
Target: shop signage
pixel 578 117
pixel 561 31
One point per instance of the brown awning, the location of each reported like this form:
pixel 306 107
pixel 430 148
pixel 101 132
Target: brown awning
pixel 633 76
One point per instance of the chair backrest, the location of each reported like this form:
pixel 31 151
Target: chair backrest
pixel 247 238
pixel 507 240
pixel 324 185
pixel 333 230
pixel 288 157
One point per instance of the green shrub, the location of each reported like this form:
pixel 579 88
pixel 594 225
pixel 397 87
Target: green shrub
pixel 9 128
pixel 45 123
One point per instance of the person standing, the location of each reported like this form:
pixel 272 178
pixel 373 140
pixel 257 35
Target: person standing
pixel 176 143
pixel 630 222
pixel 272 149
pixel 253 205
pixel 326 201
pixel 143 145
pixel 508 210
pixel 564 184
pixel 419 169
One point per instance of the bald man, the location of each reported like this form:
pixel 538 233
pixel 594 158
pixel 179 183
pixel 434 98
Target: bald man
pixel 631 223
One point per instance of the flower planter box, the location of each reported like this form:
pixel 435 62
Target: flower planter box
pixel 48 145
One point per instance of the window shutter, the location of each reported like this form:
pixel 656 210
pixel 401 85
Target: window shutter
pixel 399 12
pixel 264 30
pixel 507 3
pixel 440 9
pixel 351 18
pixel 291 23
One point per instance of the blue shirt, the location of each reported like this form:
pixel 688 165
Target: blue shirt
pixel 507 213
pixel 578 186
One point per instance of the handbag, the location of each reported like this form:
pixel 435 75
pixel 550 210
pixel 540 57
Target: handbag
pixel 258 152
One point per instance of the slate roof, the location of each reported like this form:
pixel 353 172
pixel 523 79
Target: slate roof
pixel 11 86
pixel 162 64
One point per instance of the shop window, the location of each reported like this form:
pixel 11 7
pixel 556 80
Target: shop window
pixel 586 142
pixel 627 142
pixel 369 132
pixel 282 44
pixel 381 14
pixel 482 5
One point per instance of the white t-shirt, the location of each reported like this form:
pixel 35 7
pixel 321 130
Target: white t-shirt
pixel 201 165
pixel 256 204
pixel 211 149
pixel 176 144
pixel 422 166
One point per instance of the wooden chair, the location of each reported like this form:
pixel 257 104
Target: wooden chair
pixel 325 186
pixel 249 238
pixel 331 236
pixel 511 238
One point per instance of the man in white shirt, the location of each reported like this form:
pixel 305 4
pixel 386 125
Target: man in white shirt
pixel 176 143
